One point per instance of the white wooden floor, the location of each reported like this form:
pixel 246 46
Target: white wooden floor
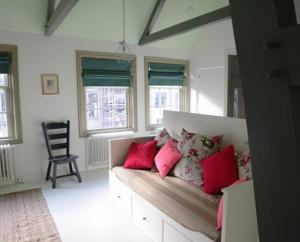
pixel 83 212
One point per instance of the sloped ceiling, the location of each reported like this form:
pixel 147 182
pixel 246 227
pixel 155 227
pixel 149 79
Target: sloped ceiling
pixel 102 19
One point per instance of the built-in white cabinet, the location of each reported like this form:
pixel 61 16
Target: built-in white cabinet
pixel 154 223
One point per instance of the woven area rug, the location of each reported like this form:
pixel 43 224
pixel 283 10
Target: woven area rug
pixel 25 217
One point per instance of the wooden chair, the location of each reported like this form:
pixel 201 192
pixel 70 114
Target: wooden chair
pixel 57 138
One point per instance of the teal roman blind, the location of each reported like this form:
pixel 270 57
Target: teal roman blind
pixel 5 61
pixel 106 72
pixel 161 74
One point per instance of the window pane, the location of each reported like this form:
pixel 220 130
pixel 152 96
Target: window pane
pixel 3 79
pixel 106 107
pixel 155 115
pixel 3 126
pixel 2 101
pixel 163 98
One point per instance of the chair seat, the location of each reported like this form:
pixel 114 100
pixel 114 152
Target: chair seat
pixel 63 158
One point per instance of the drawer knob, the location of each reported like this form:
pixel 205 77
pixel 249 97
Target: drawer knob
pixel 119 196
pixel 145 219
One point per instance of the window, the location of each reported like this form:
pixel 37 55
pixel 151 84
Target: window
pixel 163 98
pixel 166 88
pixel 10 121
pixel 107 107
pixel 106 91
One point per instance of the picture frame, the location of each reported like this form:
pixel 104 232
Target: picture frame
pixel 50 85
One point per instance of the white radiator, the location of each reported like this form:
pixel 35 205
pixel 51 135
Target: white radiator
pixel 96 148
pixel 7 164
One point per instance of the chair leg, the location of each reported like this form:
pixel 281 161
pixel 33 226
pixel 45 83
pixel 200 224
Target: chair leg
pixel 71 168
pixel 48 171
pixel 54 176
pixel 77 171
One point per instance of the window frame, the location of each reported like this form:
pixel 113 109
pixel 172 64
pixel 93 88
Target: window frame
pixel 184 91
pixel 132 103
pixel 13 99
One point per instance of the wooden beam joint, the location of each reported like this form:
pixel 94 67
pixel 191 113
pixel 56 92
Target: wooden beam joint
pixel 50 9
pixel 58 15
pixel 153 17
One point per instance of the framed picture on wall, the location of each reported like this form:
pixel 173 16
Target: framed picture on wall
pixel 50 84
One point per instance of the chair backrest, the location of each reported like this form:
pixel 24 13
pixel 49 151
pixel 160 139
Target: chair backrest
pixel 57 136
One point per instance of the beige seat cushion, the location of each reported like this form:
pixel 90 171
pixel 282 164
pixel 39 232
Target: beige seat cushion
pixel 186 204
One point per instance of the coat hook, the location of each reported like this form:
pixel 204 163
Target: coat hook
pixel 273 74
pixel 270 45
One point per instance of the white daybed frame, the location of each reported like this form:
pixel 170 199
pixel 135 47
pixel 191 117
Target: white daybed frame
pixel 239 216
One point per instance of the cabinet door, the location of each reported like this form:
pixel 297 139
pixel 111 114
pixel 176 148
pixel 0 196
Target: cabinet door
pixel 146 219
pixel 173 235
pixel 120 195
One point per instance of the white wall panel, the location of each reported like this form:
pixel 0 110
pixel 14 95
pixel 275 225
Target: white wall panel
pixel 209 68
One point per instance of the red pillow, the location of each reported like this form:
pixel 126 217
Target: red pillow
pixel 167 157
pixel 141 156
pixel 219 170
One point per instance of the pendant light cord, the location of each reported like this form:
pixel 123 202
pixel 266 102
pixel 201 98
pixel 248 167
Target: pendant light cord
pixel 123 46
pixel 123 20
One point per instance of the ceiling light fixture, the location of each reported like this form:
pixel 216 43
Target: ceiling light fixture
pixel 124 48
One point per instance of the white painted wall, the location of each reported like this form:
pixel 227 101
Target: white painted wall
pixel 208 59
pixel 209 69
pixel 39 54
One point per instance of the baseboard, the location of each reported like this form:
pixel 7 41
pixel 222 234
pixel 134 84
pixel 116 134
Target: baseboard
pixel 20 187
pixel 96 167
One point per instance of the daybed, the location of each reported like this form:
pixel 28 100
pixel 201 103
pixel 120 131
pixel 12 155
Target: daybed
pixel 172 210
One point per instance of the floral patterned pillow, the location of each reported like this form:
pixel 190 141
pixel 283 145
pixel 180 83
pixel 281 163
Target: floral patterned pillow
pixel 162 137
pixel 194 148
pixel 189 170
pixel 192 144
pixel 244 164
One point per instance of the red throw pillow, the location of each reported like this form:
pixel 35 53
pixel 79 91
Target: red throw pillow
pixel 167 157
pixel 219 170
pixel 141 156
